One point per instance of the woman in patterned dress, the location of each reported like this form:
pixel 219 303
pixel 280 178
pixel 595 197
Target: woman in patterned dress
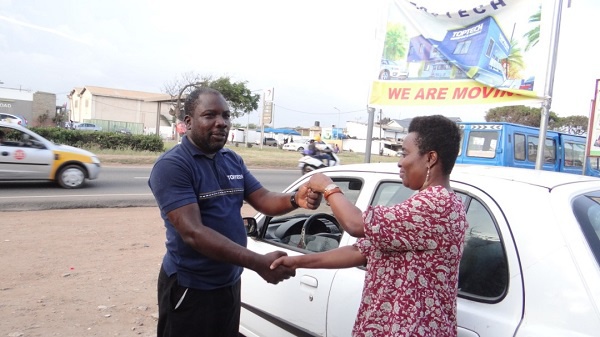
pixel 411 250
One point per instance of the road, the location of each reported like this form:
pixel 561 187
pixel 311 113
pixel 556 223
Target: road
pixel 117 186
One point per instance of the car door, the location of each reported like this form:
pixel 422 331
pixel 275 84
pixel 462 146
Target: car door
pixel 491 296
pixel 298 306
pixel 23 157
pixel 486 306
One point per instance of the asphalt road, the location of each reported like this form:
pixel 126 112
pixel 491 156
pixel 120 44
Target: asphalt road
pixel 116 187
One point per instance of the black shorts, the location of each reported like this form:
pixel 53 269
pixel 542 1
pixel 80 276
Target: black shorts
pixel 187 312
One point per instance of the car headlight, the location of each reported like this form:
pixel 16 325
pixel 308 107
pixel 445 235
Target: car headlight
pixel 95 160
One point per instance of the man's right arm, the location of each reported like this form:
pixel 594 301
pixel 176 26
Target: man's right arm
pixel 188 223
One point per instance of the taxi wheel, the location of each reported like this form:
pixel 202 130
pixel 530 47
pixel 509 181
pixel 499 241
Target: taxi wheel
pixel 71 176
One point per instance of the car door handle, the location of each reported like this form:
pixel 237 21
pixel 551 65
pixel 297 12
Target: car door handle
pixel 309 281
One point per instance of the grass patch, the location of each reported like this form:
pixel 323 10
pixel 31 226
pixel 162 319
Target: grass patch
pixel 254 157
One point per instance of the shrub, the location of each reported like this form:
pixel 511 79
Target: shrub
pixel 102 140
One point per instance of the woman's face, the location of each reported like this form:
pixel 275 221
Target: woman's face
pixel 413 165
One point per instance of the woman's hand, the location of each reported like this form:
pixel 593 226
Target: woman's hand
pixel 286 261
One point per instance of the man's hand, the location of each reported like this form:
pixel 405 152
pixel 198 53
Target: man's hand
pixel 275 275
pixel 307 198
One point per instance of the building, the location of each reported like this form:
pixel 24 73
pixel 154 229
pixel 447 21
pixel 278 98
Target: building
pixel 39 108
pixel 141 112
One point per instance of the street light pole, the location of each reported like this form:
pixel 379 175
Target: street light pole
pixel 339 115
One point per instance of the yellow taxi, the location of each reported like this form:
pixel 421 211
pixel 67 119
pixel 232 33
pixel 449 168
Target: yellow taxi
pixel 27 156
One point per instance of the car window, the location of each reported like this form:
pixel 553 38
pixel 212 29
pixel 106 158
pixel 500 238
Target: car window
pixel 483 271
pixel 587 212
pixel 310 230
pixel 15 138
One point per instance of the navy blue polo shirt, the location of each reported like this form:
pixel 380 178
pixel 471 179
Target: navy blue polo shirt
pixel 185 175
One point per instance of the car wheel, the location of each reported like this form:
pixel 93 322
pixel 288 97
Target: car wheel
pixel 71 176
pixel 300 149
pixel 307 168
pixel 384 75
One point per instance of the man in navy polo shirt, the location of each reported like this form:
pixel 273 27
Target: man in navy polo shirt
pixel 200 188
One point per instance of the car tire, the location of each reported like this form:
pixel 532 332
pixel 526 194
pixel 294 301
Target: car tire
pixel 306 169
pixel 71 176
pixel 384 75
pixel 300 149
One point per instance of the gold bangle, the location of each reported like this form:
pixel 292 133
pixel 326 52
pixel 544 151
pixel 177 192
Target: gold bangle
pixel 329 192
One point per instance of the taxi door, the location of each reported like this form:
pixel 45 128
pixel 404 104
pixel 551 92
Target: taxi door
pixel 19 162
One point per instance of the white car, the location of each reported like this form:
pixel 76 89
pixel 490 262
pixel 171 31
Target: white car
pixel 87 127
pixel 530 266
pixel 303 145
pixel 27 156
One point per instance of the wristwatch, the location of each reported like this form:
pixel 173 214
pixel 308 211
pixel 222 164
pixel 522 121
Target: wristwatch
pixel 293 200
pixel 331 189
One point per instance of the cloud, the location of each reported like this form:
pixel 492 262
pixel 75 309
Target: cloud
pixel 44 29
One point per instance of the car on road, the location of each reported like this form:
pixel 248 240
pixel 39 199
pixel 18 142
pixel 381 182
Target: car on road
pixel 530 265
pixel 27 156
pixel 87 127
pixel 10 118
pixel 267 141
pixel 300 146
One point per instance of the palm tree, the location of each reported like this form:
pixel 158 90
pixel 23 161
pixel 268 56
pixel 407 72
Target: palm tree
pixel 533 36
pixel 395 42
pixel 513 64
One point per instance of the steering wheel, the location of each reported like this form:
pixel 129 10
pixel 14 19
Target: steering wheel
pixel 310 221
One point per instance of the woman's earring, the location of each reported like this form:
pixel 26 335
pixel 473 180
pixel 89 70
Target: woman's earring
pixel 427 176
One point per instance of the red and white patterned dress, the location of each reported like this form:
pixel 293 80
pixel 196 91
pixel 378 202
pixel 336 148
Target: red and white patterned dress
pixel 413 250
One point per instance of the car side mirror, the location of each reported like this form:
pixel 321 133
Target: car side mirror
pixel 251 226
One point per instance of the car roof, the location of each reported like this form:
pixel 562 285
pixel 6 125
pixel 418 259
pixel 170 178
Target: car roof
pixel 13 125
pixel 477 173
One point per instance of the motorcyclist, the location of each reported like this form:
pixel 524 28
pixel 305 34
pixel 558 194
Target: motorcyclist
pixel 314 152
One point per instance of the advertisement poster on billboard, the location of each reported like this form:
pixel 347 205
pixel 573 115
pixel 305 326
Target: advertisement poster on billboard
pixel 463 52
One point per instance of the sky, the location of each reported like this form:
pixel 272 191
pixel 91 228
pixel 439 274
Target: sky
pixel 318 56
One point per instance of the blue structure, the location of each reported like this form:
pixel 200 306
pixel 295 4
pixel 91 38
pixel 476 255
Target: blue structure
pixel 514 145
pixel 291 132
pixel 475 51
pixel 478 50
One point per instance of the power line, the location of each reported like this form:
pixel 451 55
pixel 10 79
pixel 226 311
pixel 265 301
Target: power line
pixel 318 113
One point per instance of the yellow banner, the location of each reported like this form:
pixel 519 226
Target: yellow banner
pixel 455 92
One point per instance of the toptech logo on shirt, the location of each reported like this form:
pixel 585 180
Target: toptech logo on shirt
pixel 235 176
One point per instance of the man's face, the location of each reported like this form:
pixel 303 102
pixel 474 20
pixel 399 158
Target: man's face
pixel 209 125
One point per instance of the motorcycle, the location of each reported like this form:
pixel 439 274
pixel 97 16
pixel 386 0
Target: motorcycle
pixel 313 162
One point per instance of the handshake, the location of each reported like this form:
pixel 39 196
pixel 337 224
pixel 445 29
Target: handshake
pixel 276 274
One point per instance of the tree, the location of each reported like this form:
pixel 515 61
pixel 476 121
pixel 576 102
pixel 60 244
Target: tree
pixel 533 35
pixel 513 64
pixel 395 42
pixel 519 114
pixel 573 124
pixel 240 98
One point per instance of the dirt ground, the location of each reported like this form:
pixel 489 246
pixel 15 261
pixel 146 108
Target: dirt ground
pixel 81 272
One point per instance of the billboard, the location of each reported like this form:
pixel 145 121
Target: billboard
pixel 437 52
